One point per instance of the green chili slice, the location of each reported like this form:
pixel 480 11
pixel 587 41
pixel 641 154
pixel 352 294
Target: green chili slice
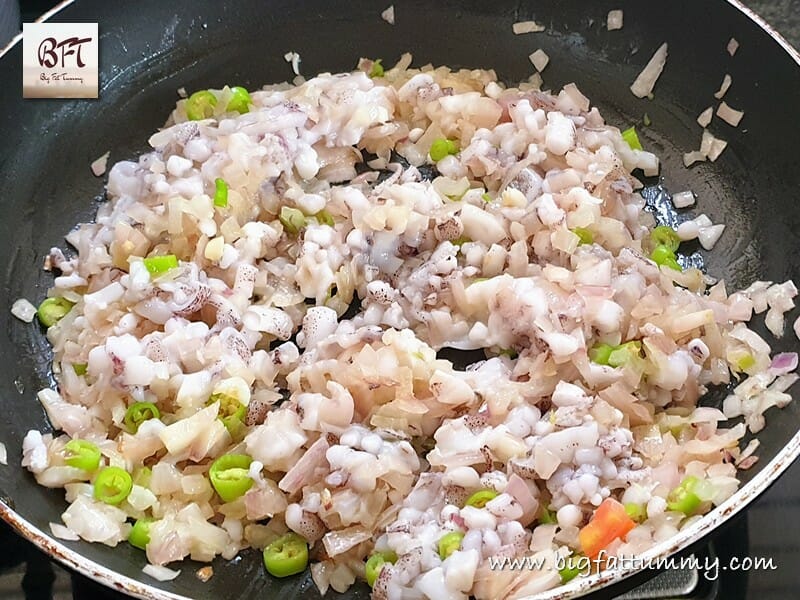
pixel 632 138
pixel 375 563
pixel 288 555
pixel 683 498
pixel 442 147
pixel 377 69
pixel 571 570
pixel 624 353
pixel 220 193
pixel 449 543
pixel 584 235
pixel 80 368
pixel 112 485
pixel 637 512
pixel 664 257
pixel 231 412
pixel 158 265
pixel 486 197
pixel 240 100
pixel 200 105
pixel 293 220
pixel 52 310
pixel 323 217
pixel 665 236
pixel 139 536
pixel 82 455
pixel 547 517
pixel 480 498
pixel 230 476
pixel 138 413
pixel 600 353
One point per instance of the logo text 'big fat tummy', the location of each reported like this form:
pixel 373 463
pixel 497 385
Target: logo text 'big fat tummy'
pixel 60 60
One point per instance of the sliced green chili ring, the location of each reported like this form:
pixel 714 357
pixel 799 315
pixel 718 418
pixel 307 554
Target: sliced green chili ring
pixel 158 265
pixel 637 512
pixel 240 100
pixel 600 353
pixel 375 563
pixel 460 241
pixel 480 498
pixel 632 139
pixel 548 517
pixel 200 105
pixel 377 69
pixel 664 257
pixel 486 197
pixel 112 485
pixel 442 147
pixel 231 412
pixel 624 353
pixel 683 498
pixel 142 476
pixel 80 368
pixel 293 220
pixel 220 193
pixel 230 476
pixel 449 543
pixel 584 235
pixel 138 413
pixel 509 352
pixel 288 555
pixel 52 310
pixel 139 536
pixel 82 455
pixel 665 236
pixel 571 570
pixel 323 217
pixel 745 362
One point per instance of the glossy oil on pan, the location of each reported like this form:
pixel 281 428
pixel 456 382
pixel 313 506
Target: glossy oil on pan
pixel 149 49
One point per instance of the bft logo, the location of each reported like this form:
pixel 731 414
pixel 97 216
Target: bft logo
pixel 54 53
pixel 59 60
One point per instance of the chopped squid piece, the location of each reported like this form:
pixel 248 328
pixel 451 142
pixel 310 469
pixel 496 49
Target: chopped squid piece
pixel 614 20
pixel 539 60
pixel 731 116
pixel 705 117
pixel 646 81
pixel 723 88
pixel 522 27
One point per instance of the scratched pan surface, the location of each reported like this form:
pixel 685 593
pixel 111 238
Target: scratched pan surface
pixel 147 53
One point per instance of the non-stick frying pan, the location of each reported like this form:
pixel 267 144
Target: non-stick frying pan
pixel 149 49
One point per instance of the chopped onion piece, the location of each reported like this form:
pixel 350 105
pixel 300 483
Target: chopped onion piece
pixel 63 533
pixel 717 147
pixel 160 573
pixel 733 46
pixel 182 92
pixel 539 59
pixel 692 157
pixel 723 88
pixel 388 15
pixel 683 199
pixel 614 20
pixel 705 117
pixel 797 327
pixel 3 454
pixel 708 236
pixel 23 310
pixel 294 59
pixel 99 164
pixel 646 81
pixel 730 115
pixel 527 27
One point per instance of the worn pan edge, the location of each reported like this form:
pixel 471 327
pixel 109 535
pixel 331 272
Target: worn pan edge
pixel 578 587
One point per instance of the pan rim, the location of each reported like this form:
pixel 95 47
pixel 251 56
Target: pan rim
pixel 74 560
